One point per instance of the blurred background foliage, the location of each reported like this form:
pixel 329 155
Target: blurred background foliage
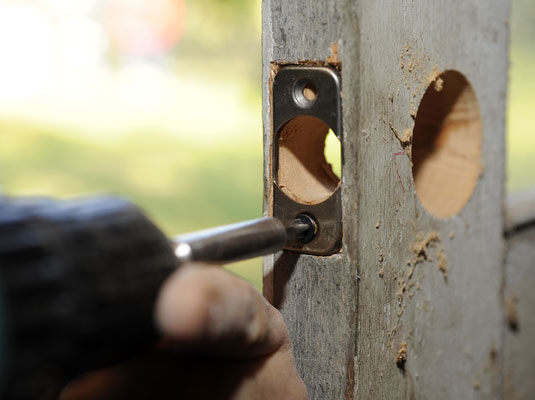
pixel 521 98
pixel 155 100
pixel 160 101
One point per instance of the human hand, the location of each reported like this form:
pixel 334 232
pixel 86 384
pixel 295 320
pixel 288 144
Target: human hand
pixel 222 340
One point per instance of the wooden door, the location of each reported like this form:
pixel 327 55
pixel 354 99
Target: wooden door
pixel 411 307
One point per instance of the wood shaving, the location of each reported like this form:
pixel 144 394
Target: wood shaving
pixel 333 58
pixel 401 358
pixel 442 263
pixel 511 313
pixel 439 84
pixel 404 139
pixel 421 246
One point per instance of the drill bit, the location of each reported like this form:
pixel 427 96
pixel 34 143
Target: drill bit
pixel 243 240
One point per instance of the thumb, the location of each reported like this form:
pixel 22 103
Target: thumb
pixel 206 309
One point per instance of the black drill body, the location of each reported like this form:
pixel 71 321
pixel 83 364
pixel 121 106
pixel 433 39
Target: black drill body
pixel 79 280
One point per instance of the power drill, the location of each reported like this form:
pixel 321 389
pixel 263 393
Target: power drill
pixel 79 279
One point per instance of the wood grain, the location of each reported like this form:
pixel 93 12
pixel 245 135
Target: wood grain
pixel 519 300
pixel 403 277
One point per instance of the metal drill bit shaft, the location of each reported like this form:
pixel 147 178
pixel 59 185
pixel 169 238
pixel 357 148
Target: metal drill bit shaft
pixel 243 240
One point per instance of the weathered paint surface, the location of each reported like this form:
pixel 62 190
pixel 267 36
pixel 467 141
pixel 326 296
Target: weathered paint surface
pixel 519 300
pixel 403 276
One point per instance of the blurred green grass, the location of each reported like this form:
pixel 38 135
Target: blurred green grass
pixel 520 140
pixel 521 120
pixel 185 181
pixel 182 185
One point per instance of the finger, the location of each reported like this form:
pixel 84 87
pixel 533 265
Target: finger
pixel 207 308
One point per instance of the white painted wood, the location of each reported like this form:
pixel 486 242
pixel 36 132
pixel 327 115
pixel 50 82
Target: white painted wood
pixel 350 314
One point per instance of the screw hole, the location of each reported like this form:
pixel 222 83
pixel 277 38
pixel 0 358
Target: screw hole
pixel 305 93
pixel 312 230
pixel 309 92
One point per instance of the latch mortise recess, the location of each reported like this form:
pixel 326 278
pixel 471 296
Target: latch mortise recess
pixel 306 104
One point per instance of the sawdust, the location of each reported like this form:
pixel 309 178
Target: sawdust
pixel 401 358
pixel 511 313
pixel 438 85
pixel 380 260
pixel 400 291
pixel 421 246
pixel 272 73
pixel 395 131
pixel 413 110
pixel 415 67
pixel 442 263
pixel 433 76
pixel 405 139
pixel 436 80
pixel 311 63
pixel 421 252
pixel 412 267
pixel 333 58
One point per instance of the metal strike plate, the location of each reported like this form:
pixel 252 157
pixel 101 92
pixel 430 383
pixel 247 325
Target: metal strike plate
pixel 290 100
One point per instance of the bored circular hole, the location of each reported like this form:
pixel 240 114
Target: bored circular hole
pixel 305 93
pixel 446 145
pixel 304 174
